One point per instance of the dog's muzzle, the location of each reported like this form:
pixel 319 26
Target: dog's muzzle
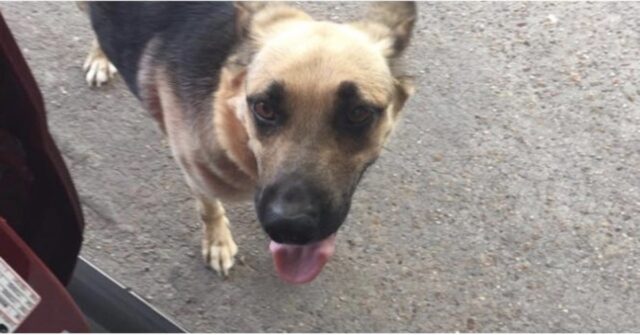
pixel 290 211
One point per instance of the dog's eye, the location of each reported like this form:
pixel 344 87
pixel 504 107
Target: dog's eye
pixel 263 110
pixel 359 115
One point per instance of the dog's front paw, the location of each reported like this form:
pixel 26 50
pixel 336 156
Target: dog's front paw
pixel 98 69
pixel 219 250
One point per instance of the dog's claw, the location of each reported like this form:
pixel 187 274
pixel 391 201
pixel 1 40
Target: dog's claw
pixel 98 69
pixel 220 255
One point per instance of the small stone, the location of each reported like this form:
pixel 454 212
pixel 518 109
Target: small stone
pixel 575 77
pixel 629 92
pixel 471 324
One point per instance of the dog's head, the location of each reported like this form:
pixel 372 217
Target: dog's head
pixel 318 101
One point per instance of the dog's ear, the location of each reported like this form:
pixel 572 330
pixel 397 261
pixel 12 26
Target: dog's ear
pixel 257 19
pixel 404 88
pixel 390 25
pixel 245 11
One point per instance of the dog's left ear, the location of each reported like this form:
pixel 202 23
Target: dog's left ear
pixel 390 25
pixel 404 88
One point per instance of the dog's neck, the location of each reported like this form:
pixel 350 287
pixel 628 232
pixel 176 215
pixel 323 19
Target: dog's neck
pixel 230 126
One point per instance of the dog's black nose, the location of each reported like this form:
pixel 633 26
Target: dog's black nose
pixel 289 212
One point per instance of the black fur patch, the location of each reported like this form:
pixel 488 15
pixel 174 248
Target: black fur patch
pixel 274 97
pixel 195 39
pixel 349 98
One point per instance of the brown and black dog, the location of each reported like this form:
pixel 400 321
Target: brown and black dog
pixel 260 99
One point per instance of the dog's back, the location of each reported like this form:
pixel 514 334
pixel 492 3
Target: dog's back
pixel 194 39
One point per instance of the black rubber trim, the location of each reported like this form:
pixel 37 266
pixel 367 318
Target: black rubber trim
pixel 110 307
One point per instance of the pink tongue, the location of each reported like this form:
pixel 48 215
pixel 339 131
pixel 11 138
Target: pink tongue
pixel 299 264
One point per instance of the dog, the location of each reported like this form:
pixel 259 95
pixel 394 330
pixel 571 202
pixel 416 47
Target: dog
pixel 260 100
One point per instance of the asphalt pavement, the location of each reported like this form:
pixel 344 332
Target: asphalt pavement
pixel 508 198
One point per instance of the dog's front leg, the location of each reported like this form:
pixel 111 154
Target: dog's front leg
pixel 97 66
pixel 218 247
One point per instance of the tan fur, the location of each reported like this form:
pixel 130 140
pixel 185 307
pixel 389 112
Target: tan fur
pixel 225 159
pixel 210 174
pixel 390 25
pixel 312 58
pixel 97 66
pixel 209 170
pixel 148 88
pixel 218 247
pixel 230 130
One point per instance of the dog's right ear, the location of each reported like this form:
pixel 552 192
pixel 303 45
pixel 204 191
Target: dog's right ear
pixel 257 19
pixel 255 22
pixel 245 11
pixel 390 25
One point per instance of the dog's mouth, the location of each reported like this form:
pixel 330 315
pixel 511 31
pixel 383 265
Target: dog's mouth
pixel 299 264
